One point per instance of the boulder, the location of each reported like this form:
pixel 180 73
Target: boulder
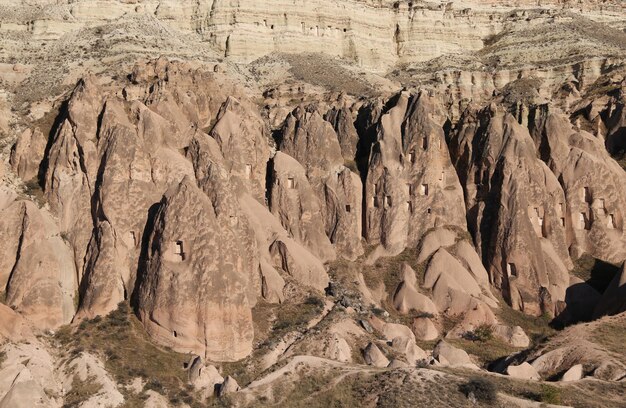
pixel 515 336
pixel 435 239
pixel 407 297
pixel 373 356
pixel 424 329
pixel 229 386
pixel 523 371
pixel 575 373
pixel 338 349
pixel 448 354
pixel 409 349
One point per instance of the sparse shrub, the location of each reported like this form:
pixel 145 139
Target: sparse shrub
pixel 482 333
pixel 378 311
pixel 81 391
pixel 482 389
pixel 315 301
pixel 420 315
pixel 154 385
pixel 550 394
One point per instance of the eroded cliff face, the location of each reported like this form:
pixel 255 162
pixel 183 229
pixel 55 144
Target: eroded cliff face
pixel 440 174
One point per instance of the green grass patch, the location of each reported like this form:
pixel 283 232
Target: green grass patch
pixel 487 350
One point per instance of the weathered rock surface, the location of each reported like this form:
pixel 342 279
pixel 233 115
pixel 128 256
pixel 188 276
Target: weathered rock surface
pixel 36 269
pixel 516 209
pixel 411 185
pixel 294 203
pixel 523 371
pixel 448 354
pixel 373 356
pixel 189 299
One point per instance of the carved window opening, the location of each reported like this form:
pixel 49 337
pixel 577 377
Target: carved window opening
pixel 611 222
pixel 375 202
pixel 132 238
pixel 428 211
pixel 425 143
pixel 409 207
pixel 387 201
pixel 348 208
pixel 601 204
pixel 248 171
pixel 562 222
pixel 586 194
pixel 409 188
pixel 410 158
pixel 291 183
pixel 424 189
pixel 174 333
pixel 179 250
pixel 583 221
pixel 511 270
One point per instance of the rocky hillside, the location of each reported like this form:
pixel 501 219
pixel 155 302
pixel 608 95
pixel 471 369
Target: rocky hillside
pixel 344 203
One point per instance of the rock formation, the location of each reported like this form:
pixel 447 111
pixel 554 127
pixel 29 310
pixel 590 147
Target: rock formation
pixel 188 298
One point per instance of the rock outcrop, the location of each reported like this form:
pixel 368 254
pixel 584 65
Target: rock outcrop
pixel 37 268
pixel 189 299
pixel 411 185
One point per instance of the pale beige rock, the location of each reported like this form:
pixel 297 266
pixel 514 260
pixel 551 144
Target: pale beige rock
pixel 453 286
pixel 13 327
pixel 411 185
pixel 409 349
pixel 207 380
pixel 424 329
pixel 373 356
pixel 575 373
pixel 243 139
pixel 88 367
pixel 339 349
pixel 391 330
pixel 523 371
pixel 28 377
pixel 312 141
pixel 451 355
pixel 155 400
pixel 407 297
pixel 515 336
pixel 229 386
pixel 37 270
pixel 434 240
pixel 27 153
pixel 272 283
